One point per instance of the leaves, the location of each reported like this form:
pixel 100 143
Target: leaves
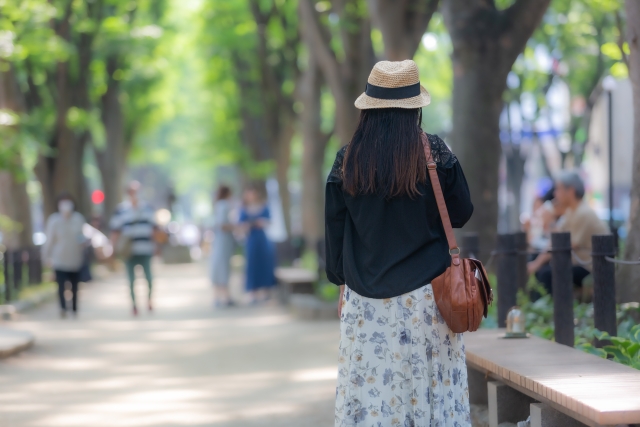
pixel 623 350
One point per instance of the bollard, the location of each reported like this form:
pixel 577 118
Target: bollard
pixel 8 279
pixel 322 258
pixel 604 284
pixel 35 266
pixel 507 276
pixel 18 262
pixel 470 245
pixel 521 247
pixel 562 285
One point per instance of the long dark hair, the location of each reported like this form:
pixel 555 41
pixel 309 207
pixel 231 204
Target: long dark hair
pixel 224 192
pixel 385 155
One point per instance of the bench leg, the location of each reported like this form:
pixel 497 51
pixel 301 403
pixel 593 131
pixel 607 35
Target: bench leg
pixel 477 387
pixel 543 415
pixel 506 404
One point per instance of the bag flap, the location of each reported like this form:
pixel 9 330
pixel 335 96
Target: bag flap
pixel 487 292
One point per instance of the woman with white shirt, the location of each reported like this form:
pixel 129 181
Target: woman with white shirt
pixel 223 246
pixel 63 250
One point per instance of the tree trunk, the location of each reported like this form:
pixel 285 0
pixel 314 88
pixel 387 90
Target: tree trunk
pixel 475 137
pixel 111 158
pixel 313 154
pixel 61 171
pixel 15 205
pixel 283 161
pixel 14 199
pixel 346 78
pixel 486 42
pixel 277 106
pixel 402 23
pixel 629 275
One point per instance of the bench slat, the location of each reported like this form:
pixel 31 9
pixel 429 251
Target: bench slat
pixel 603 391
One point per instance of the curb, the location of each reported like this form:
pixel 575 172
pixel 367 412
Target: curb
pixel 14 341
pixel 21 306
pixel 34 301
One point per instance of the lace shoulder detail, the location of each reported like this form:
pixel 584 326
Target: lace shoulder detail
pixel 439 149
pixel 441 152
pixel 336 170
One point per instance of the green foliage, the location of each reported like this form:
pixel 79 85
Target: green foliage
pixel 328 291
pixel 25 35
pixel 491 321
pixel 627 315
pixel 577 32
pixel 235 37
pixel 623 350
pixel 436 75
pixel 7 225
pixel 40 39
pixel 309 261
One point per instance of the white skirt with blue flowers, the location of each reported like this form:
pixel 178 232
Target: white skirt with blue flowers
pixel 400 364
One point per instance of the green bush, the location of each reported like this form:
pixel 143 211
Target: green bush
pixel 328 291
pixel 623 350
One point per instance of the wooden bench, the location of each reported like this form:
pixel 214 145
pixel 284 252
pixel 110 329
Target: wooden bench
pixel 295 280
pixel 550 382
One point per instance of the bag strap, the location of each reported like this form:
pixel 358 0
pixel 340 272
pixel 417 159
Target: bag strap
pixel 454 250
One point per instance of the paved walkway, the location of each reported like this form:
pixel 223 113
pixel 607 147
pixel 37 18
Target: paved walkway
pixel 183 365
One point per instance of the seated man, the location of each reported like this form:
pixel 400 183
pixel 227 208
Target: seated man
pixel 578 219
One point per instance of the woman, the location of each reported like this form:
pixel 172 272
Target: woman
pixel 64 249
pixel 222 249
pixel 399 363
pixel 259 252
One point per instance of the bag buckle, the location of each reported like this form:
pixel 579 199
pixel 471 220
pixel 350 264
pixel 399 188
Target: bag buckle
pixel 452 251
pixel 431 165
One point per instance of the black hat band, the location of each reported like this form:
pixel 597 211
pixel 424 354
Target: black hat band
pixel 392 92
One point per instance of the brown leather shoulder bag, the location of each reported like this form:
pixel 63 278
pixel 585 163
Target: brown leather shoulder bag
pixel 462 293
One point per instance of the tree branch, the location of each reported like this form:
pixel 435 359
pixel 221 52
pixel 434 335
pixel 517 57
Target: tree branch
pixel 621 40
pixel 522 18
pixel 318 42
pixel 402 23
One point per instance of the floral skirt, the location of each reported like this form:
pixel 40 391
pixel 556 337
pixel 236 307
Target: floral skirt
pixel 400 364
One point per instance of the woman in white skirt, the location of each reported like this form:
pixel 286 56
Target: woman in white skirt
pixel 222 247
pixel 399 363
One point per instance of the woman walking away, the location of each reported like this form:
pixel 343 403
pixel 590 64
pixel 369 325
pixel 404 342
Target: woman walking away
pixel 222 249
pixel 399 363
pixel 64 249
pixel 259 252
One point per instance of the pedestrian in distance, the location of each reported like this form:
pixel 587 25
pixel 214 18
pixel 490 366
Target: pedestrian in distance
pixel 133 229
pixel 259 250
pixel 64 249
pixel 399 362
pixel 222 247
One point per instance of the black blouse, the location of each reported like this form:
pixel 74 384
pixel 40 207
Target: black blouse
pixel 384 248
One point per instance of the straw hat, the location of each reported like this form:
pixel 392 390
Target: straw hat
pixel 394 85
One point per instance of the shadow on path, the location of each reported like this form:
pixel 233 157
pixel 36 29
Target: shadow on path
pixel 183 365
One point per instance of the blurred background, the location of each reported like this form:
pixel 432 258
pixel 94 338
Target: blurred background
pixel 184 96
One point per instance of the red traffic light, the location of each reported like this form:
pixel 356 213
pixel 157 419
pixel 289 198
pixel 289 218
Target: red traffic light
pixel 97 197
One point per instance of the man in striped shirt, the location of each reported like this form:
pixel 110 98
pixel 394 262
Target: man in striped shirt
pixel 135 220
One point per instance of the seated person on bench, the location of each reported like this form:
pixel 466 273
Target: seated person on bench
pixel 578 219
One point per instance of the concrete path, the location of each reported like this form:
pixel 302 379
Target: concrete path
pixel 183 365
pixel 13 341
